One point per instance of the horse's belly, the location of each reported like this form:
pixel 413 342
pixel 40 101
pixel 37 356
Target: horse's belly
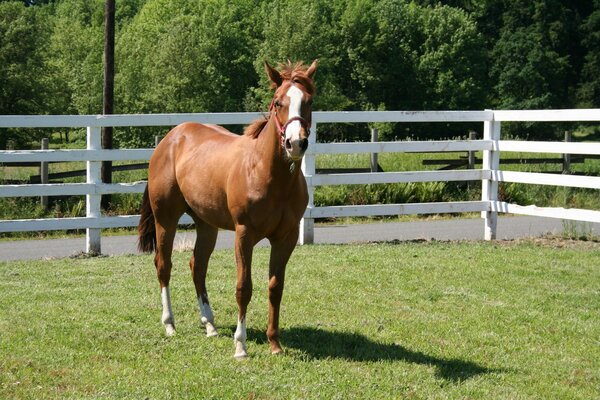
pixel 213 211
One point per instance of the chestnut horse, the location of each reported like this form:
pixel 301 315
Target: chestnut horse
pixel 251 184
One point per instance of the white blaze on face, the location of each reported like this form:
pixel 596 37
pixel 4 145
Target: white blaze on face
pixel 292 132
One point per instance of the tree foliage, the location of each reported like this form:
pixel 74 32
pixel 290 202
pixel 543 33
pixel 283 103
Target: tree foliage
pixel 589 86
pixel 207 56
pixel 26 86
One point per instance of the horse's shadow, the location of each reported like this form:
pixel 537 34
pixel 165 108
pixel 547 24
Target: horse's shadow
pixel 323 344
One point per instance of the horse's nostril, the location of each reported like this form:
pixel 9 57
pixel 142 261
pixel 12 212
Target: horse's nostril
pixel 304 144
pixel 288 144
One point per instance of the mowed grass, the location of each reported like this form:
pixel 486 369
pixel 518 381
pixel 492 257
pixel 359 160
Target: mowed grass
pixel 389 320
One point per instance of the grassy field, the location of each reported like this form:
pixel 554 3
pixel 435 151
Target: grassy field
pixel 391 320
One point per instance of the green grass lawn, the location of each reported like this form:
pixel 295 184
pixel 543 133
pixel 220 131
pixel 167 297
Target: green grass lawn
pixel 393 320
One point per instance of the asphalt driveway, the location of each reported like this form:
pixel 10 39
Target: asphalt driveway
pixel 509 227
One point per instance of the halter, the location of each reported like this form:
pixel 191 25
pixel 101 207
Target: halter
pixel 282 128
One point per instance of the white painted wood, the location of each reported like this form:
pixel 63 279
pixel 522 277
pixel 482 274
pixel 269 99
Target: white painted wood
pixel 307 224
pixel 92 201
pixel 397 177
pixel 548 147
pixel 590 114
pixel 403 147
pixel 82 121
pixel 49 224
pixel 590 182
pixel 397 209
pixel 74 155
pixel 70 189
pixel 53 224
pixel 401 116
pixel 575 214
pixel 489 187
pixel 79 121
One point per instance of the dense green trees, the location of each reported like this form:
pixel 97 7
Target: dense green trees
pixel 182 56
pixel 589 85
pixel 26 86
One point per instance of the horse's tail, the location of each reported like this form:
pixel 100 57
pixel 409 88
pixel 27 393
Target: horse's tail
pixel 146 227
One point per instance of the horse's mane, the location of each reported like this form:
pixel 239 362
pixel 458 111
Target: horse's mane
pixel 254 129
pixel 289 72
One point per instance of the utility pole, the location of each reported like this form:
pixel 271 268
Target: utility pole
pixel 108 93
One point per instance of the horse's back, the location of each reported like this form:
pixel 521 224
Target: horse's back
pixel 195 132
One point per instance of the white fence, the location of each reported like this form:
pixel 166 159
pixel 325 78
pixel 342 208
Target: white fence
pixel 490 174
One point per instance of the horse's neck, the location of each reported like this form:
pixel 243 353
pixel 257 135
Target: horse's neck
pixel 271 155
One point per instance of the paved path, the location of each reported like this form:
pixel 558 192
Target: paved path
pixel 453 229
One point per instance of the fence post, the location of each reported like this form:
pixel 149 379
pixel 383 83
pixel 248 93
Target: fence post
pixel 374 139
pixel 44 174
pixel 471 153
pixel 567 157
pixel 92 201
pixel 489 189
pixel 307 224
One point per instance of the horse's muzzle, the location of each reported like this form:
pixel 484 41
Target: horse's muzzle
pixel 303 144
pixel 296 148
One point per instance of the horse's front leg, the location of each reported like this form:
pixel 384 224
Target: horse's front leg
pixel 281 250
pixel 244 244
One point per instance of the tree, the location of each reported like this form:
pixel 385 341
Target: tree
pixel 408 57
pixel 76 55
pixel 531 67
pixel 451 64
pixel 180 56
pixel 301 31
pixel 378 44
pixel 589 86
pixel 21 60
pixel 23 76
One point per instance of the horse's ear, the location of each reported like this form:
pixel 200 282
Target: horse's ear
pixel 274 75
pixel 312 69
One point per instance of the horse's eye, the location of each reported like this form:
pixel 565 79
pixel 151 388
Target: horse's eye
pixel 277 103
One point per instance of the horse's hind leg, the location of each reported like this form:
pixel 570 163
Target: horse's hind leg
pixel 162 261
pixel 206 237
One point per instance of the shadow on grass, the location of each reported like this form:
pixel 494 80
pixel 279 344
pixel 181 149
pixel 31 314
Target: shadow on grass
pixel 322 344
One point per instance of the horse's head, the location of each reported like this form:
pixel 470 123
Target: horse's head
pixel 292 105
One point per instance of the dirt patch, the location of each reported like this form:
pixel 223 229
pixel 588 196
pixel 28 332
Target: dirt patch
pixel 557 242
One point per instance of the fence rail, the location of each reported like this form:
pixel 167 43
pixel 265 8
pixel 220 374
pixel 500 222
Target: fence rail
pixel 489 174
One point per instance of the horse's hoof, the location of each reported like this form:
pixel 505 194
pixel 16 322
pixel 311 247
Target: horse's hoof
pixel 240 351
pixel 211 330
pixel 277 352
pixel 169 330
pixel 275 346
